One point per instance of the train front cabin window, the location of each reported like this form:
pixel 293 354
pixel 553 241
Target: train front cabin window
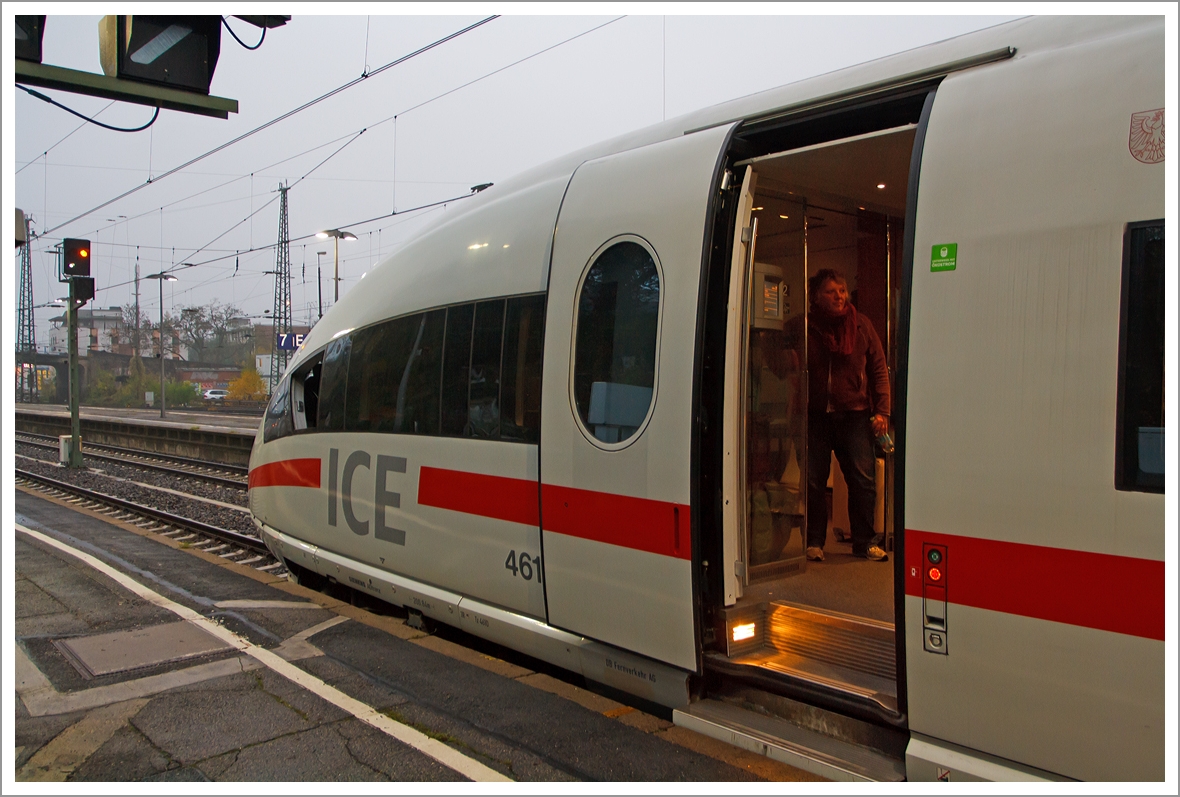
pixel 278 414
pixel 615 349
pixel 1139 443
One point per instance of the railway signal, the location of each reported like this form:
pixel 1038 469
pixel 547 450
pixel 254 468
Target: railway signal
pixel 76 257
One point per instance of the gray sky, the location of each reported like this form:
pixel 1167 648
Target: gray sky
pixel 610 75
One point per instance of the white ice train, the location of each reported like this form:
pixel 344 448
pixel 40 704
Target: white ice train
pixel 548 419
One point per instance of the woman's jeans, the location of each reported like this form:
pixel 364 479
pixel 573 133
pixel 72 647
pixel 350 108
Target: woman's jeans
pixel 850 436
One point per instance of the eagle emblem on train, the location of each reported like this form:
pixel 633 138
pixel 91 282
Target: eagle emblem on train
pixel 1146 140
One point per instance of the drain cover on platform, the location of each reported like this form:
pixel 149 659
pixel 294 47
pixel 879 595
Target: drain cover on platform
pixel 120 651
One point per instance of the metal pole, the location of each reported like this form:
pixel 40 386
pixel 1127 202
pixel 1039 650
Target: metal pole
pixel 161 281
pixel 336 258
pixel 319 281
pixel 75 458
pixel 138 338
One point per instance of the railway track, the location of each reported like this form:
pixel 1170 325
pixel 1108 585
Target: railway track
pixel 185 467
pixel 228 544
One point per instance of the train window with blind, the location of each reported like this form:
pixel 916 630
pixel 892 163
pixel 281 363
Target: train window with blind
pixel 1139 443
pixel 456 368
pixel 333 380
pixel 520 380
pixel 483 384
pixel 615 342
pixel 393 376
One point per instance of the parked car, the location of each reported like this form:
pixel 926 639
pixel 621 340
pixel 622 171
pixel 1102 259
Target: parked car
pixel 216 394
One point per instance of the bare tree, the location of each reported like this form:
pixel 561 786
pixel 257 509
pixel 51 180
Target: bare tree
pixel 214 333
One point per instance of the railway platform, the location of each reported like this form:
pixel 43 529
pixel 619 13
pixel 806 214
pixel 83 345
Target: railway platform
pixel 224 438
pixel 140 659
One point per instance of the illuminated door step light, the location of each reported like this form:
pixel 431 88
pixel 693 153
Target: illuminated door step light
pixel 743 631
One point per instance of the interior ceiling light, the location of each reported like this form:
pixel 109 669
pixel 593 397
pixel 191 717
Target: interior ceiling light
pixel 781 216
pixel 758 208
pixel 880 185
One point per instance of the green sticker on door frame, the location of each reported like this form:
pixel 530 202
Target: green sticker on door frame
pixel 943 257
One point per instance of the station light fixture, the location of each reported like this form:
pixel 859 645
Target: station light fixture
pixel 338 236
pixel 30 30
pixel 178 52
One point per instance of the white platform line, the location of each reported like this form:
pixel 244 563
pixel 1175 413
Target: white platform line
pixel 447 756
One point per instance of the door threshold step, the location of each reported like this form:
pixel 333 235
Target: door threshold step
pixel 783 741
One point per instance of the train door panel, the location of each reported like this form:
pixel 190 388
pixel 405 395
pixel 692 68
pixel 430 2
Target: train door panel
pixel 1044 640
pixel 733 476
pixel 617 397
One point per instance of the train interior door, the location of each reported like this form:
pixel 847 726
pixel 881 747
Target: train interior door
pixel 830 623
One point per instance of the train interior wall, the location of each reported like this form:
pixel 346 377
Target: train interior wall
pixel 828 623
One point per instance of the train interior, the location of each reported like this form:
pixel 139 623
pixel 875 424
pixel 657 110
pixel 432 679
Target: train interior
pixel 836 205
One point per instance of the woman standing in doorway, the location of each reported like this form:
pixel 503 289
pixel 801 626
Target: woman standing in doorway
pixel 848 406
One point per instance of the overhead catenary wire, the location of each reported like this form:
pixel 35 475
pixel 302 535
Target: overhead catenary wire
pixel 400 113
pixel 276 120
pixel 51 147
pixel 267 204
pixel 393 118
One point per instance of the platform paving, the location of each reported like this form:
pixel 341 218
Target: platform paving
pixel 229 717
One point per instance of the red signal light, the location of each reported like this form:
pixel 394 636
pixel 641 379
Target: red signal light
pixel 83 252
pixel 935 574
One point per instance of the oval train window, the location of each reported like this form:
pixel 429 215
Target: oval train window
pixel 615 347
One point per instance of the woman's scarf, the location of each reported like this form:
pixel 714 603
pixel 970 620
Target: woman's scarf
pixel 837 332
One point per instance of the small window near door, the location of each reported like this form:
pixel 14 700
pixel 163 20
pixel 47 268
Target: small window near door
pixel 1139 444
pixel 305 392
pixel 615 349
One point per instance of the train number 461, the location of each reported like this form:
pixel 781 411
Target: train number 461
pixel 523 565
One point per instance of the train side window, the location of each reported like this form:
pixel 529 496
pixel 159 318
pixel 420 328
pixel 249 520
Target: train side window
pixel 483 386
pixel 520 391
pixel 456 368
pixel 278 414
pixel 305 389
pixel 1139 431
pixel 393 377
pixel 615 348
pixel 333 380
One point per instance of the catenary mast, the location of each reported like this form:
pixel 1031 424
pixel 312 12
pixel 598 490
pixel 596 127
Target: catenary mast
pixel 26 332
pixel 282 307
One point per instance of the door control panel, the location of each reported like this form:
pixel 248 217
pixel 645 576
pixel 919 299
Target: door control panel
pixel 934 578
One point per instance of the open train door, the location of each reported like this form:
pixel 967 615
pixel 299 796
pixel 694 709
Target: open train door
pixel 617 396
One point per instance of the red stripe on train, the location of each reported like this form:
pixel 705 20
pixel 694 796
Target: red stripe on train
pixel 286 473
pixel 480 494
pixel 659 527
pixel 1103 591
pixel 642 524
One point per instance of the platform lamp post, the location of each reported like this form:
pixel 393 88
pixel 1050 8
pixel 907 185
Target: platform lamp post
pixel 337 236
pixel 162 277
pixel 319 282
